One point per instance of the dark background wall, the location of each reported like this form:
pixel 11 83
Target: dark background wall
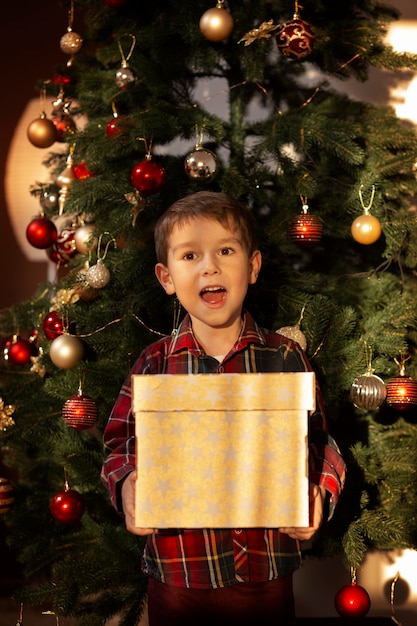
pixel 29 50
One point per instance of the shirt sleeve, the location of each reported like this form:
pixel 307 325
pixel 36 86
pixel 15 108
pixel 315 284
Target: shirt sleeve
pixel 119 438
pixel 326 465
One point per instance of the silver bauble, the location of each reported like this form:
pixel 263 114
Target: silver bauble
pixel 98 275
pixel 368 392
pixel 49 200
pixel 124 77
pixel 201 164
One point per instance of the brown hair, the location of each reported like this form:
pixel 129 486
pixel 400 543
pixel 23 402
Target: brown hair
pixel 218 206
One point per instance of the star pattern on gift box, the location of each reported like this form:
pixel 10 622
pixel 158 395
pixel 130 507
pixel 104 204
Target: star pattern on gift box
pixel 221 454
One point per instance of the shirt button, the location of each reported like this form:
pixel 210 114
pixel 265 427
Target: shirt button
pixel 238 531
pixel 220 369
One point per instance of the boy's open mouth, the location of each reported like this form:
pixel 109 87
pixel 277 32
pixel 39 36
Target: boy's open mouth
pixel 213 295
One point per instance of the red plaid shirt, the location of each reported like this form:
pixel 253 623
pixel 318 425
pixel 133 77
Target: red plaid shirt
pixel 212 558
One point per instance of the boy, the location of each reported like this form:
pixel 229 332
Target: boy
pixel 207 255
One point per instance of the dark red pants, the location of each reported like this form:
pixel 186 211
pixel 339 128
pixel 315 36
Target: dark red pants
pixel 244 604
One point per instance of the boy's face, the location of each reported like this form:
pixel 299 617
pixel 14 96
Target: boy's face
pixel 209 270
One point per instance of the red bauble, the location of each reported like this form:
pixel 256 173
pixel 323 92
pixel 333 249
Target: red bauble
pixel 80 411
pixel 402 392
pixel 295 39
pixel 6 496
pixel 67 506
pixel 41 233
pixel 53 325
pixel 115 126
pixel 306 230
pixel 352 601
pixel 148 177
pixel 20 351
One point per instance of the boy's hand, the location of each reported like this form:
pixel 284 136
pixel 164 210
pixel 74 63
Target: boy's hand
pixel 128 502
pixel 317 497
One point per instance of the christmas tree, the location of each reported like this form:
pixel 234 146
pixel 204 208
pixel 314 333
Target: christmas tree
pixel 158 100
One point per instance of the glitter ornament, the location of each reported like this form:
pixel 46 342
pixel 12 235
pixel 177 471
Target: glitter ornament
pixel 80 411
pixel 201 164
pixel 125 77
pixel 66 350
pixel 41 233
pixel 295 39
pixel 6 412
pixel 6 495
pixel 82 288
pixel 67 506
pixel 402 390
pixel 294 333
pixel 148 176
pixel 216 24
pixel 98 276
pixel 71 42
pixel 305 229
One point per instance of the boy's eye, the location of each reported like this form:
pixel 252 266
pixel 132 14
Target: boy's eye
pixel 189 256
pixel 226 251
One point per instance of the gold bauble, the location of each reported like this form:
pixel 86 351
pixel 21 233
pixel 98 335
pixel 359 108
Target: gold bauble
pixel 42 132
pixel 366 229
pixel 216 24
pixel 71 42
pixel 85 239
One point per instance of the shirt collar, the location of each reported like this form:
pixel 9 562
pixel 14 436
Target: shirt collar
pixel 184 339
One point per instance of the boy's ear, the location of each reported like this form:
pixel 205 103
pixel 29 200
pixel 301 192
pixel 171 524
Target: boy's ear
pixel 164 277
pixel 255 263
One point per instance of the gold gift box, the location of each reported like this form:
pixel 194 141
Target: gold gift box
pixel 222 450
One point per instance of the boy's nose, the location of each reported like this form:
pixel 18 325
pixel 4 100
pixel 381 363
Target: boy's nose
pixel 210 265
